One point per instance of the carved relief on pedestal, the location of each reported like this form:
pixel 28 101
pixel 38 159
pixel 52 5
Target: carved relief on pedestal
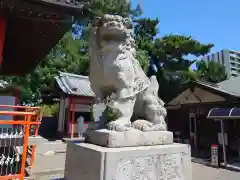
pixel 155 167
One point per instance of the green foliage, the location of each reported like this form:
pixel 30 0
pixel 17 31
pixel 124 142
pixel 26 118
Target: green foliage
pixel 145 30
pixel 172 50
pixel 119 7
pixel 91 114
pixel 111 114
pixel 101 7
pixel 142 57
pixel 211 71
pixel 50 110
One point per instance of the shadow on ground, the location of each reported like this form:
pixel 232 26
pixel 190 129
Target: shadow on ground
pixel 200 156
pixel 48 128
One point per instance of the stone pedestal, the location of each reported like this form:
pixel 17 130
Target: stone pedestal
pixel 108 138
pixel 161 162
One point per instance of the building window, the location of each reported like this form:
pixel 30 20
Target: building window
pixel 233 70
pixel 222 53
pixel 233 64
pixel 233 55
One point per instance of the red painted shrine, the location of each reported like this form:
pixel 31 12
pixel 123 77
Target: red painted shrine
pixel 76 99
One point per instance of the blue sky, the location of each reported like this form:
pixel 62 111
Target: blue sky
pixel 209 21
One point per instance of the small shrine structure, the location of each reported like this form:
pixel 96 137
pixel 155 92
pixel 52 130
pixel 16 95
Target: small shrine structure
pixel 76 99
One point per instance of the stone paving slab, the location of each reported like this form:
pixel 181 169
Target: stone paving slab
pixel 51 146
pixel 36 140
pixel 50 177
pixel 200 172
pixel 49 163
pixel 50 156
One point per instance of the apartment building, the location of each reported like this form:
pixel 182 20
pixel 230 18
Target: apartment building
pixel 228 58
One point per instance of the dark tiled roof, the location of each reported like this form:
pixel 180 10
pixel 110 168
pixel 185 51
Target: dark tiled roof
pixel 33 29
pixel 200 96
pixel 231 85
pixel 74 84
pixel 65 5
pixel 218 87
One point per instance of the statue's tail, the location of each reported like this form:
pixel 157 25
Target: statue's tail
pixel 154 87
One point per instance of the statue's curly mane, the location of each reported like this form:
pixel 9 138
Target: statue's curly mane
pixel 109 28
pixel 113 56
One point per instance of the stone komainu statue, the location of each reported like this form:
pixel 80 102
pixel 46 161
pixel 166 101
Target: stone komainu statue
pixel 116 76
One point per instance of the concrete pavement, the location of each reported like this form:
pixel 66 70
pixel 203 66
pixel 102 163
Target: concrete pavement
pixel 49 157
pixel 200 172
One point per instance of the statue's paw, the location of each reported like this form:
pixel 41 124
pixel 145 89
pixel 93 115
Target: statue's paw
pixel 119 126
pixel 145 126
pixel 160 127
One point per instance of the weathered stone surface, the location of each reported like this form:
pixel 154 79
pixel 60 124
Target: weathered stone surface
pixel 117 78
pixel 164 162
pixel 108 138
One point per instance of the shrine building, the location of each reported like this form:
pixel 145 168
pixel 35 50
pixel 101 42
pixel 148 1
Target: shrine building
pixel 76 99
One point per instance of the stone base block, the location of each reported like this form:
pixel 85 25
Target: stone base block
pixel 108 138
pixel 162 162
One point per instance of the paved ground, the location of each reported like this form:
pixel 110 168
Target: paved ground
pixel 200 172
pixel 50 156
pixel 50 177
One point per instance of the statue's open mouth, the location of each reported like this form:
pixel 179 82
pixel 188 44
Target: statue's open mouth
pixel 112 33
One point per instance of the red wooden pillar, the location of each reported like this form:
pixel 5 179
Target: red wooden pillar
pixel 2 36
